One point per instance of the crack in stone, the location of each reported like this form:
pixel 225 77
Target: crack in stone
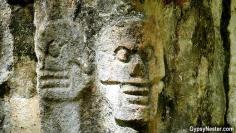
pixel 20 2
pixel 226 44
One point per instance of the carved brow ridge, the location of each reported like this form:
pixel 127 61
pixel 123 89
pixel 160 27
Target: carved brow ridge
pixel 130 50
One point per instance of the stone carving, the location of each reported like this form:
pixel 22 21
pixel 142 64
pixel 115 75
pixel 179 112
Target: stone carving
pixel 63 72
pixel 129 70
pixel 6 43
pixel 59 50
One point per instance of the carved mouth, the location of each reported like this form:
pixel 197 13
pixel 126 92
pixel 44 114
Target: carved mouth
pixel 136 94
pixel 134 82
pixel 139 100
pixel 134 91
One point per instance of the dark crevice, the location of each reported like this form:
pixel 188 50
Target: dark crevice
pixel 22 28
pixel 226 44
pixel 176 2
pixel 4 90
pixel 78 10
pixel 166 107
pixel 139 126
pixel 176 45
pixel 20 2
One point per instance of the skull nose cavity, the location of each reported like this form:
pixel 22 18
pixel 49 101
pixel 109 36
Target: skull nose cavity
pixel 137 69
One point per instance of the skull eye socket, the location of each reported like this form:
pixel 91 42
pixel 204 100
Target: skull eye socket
pixel 122 54
pixel 147 53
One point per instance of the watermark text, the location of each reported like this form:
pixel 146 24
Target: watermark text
pixel 210 129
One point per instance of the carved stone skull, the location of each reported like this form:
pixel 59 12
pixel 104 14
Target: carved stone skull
pixel 129 70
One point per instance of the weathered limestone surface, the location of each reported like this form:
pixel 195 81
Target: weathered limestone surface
pixel 187 31
pixel 22 104
pixel 232 69
pixel 129 70
pixel 64 66
pixel 65 33
pixel 194 63
pixel 123 66
pixel 6 55
pixel 6 42
pixel 62 74
pixel 21 100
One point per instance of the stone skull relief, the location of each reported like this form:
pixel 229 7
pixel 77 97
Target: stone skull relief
pixel 61 64
pixel 128 71
pixel 63 73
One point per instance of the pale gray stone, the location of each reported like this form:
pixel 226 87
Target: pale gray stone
pixel 129 69
pixel 126 93
pixel 6 56
pixel 63 72
pixel 6 42
pixel 63 61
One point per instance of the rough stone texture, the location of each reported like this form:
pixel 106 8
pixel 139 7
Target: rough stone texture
pixel 23 115
pixel 2 115
pixel 129 69
pixel 189 32
pixel 194 62
pixel 88 16
pixel 23 81
pixel 62 73
pixel 6 42
pixel 232 85
pixel 6 55
pixel 64 66
pixel 21 102
pixel 155 66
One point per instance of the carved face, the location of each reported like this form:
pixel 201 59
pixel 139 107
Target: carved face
pixel 127 68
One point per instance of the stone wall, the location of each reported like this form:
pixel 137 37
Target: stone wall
pixel 232 31
pixel 21 102
pixel 157 66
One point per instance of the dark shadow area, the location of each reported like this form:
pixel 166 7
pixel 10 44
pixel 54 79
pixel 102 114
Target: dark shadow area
pixel 226 44
pixel 141 127
pixel 22 28
pixel 20 2
pixel 4 90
